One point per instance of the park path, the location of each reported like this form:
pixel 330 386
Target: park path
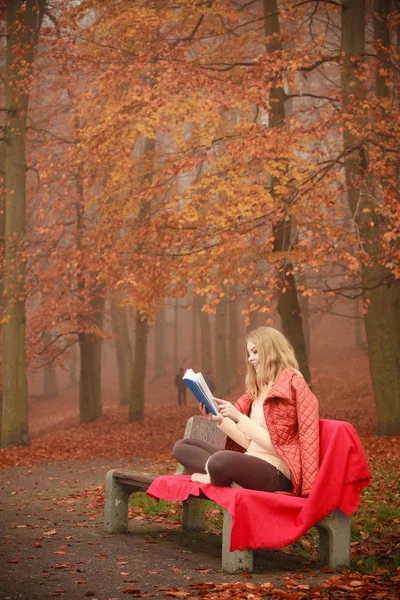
pixel 53 543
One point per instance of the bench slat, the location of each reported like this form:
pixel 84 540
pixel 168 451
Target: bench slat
pixel 134 478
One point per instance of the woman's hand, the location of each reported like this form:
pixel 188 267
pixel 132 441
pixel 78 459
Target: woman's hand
pixel 210 416
pixel 227 409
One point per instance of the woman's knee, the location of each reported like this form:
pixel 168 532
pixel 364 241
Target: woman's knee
pixel 178 449
pixel 217 462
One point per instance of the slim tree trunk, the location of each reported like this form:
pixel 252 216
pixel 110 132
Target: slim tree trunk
pixel 195 328
pixel 24 20
pixel 159 344
pixel 137 399
pixel 2 235
pixel 205 337
pixel 136 406
pixel 381 292
pixel 2 208
pixel 233 334
pixel 50 385
pixel 221 356
pixel 304 303
pixel 73 364
pixel 288 303
pixel 90 345
pixel 176 336
pixel 358 338
pixel 123 350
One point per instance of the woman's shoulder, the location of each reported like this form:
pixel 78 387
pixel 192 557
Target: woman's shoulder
pixel 288 374
pixel 287 384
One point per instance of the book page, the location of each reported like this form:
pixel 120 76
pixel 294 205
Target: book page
pixel 206 390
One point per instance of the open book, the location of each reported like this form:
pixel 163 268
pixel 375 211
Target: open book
pixel 199 388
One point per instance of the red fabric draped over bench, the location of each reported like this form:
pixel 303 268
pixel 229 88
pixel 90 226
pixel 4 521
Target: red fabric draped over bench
pixel 273 520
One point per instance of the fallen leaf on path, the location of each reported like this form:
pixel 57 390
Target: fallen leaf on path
pixel 267 585
pixel 155 572
pixel 175 592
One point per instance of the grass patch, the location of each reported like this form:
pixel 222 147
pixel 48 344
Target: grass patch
pixel 141 503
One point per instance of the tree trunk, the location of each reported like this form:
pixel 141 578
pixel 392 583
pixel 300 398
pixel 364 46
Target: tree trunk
pixel 23 25
pixel 304 302
pixel 2 206
pixel 288 303
pixel 205 337
pixel 381 292
pixel 2 235
pixel 176 336
pixel 123 350
pixel 136 406
pixel 221 336
pixel 90 376
pixel 50 386
pixel 159 344
pixel 195 323
pixel 73 365
pixel 358 338
pixel 233 340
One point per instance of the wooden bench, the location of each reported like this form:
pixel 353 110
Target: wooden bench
pixel 334 530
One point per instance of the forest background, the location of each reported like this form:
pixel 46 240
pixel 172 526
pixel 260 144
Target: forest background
pixel 175 173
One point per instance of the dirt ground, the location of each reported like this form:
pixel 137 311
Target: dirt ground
pixel 53 543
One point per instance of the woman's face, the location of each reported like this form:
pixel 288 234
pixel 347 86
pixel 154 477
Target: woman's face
pixel 252 355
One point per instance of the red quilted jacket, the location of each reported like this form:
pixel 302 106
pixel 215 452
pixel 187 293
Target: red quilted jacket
pixel 292 418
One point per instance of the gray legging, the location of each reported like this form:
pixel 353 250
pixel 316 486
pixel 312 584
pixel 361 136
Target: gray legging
pixel 226 466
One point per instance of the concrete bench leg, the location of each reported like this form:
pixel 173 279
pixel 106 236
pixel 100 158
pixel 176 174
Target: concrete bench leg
pixel 334 539
pixel 193 513
pixel 239 560
pixel 116 506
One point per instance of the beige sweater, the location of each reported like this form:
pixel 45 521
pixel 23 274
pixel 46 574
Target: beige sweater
pixel 252 434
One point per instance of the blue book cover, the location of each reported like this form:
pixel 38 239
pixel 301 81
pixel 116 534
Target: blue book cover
pixel 200 390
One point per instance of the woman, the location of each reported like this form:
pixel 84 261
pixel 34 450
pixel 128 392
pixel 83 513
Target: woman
pixel 275 423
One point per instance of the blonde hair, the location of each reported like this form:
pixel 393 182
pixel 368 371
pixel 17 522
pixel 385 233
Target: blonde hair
pixel 275 354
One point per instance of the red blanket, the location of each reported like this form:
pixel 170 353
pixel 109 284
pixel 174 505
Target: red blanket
pixel 343 474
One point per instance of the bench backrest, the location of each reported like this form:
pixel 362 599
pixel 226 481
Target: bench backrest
pixel 200 428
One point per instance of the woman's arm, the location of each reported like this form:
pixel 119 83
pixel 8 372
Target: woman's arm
pixel 226 422
pixel 255 432
pixel 231 430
